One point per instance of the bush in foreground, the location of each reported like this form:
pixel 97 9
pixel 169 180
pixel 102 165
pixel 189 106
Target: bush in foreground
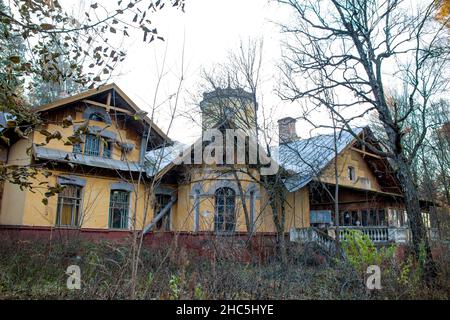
pixel 36 270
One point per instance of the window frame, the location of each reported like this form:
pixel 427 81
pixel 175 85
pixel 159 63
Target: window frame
pixel 76 205
pixel 96 116
pixel 107 149
pixel 229 201
pixel 351 173
pixel 165 223
pixel 88 144
pixel 124 222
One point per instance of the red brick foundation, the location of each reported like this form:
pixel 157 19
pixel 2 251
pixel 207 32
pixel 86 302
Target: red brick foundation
pixel 236 246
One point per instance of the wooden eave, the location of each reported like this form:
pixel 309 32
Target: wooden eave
pixel 112 86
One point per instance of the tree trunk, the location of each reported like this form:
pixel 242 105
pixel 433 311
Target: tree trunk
pixel 278 213
pixel 419 235
pixel 282 247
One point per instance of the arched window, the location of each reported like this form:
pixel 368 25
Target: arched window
pixel 225 217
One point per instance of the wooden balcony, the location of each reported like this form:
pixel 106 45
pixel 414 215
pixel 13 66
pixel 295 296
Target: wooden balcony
pixel 377 234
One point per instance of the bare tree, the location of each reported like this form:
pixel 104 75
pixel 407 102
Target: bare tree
pixel 43 31
pixel 360 47
pixel 242 72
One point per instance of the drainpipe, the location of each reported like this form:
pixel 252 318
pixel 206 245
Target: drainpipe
pixel 143 147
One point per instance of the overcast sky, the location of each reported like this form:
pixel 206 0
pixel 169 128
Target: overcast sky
pixel 209 29
pixel 202 37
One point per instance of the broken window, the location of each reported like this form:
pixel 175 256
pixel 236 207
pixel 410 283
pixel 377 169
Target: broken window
pixel 68 208
pixel 161 200
pixel 96 117
pixel 350 218
pixel 351 174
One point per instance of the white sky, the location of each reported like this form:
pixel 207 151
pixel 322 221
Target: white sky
pixel 209 29
pixel 202 37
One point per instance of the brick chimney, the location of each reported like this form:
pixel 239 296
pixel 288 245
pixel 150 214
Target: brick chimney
pixel 286 130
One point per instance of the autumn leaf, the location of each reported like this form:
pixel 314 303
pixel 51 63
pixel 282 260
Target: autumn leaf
pixel 14 59
pixel 47 26
pixel 45 132
pixel 5 139
pixel 67 122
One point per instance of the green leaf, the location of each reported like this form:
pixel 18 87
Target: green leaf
pixel 45 132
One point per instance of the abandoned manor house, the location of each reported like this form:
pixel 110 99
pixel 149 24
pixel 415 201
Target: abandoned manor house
pixel 118 174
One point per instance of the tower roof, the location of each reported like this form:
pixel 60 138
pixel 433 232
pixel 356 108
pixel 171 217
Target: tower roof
pixel 225 93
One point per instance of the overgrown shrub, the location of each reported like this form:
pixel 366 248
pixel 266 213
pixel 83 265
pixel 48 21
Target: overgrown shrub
pixel 36 270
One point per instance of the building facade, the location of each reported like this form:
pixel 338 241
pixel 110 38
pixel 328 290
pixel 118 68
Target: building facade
pixel 112 170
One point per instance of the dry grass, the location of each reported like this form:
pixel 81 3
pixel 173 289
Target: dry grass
pixel 36 270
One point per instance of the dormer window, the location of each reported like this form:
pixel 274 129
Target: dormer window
pixel 351 173
pixel 92 145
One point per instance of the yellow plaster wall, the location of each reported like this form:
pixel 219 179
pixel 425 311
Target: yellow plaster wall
pixel 95 204
pixel 183 214
pixel 17 154
pixel 352 158
pixel 13 203
pixel 27 208
pixel 13 199
pixel 297 208
pixel 122 136
pixel 297 211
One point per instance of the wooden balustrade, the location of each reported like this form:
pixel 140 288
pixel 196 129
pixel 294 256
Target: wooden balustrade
pixel 377 234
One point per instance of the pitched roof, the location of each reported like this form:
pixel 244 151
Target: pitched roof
pixel 158 159
pixel 96 91
pixel 182 152
pixel 101 162
pixel 304 159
